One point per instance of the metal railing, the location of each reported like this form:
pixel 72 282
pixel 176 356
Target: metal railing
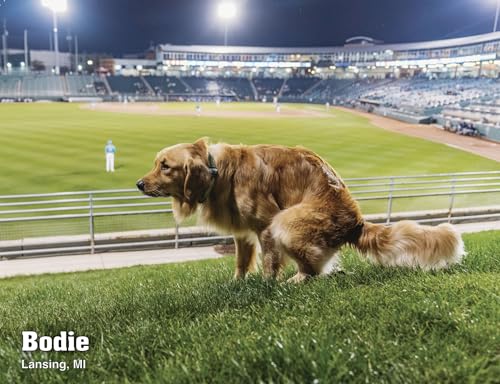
pixel 27 221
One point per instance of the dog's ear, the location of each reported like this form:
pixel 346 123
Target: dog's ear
pixel 197 180
pixel 200 147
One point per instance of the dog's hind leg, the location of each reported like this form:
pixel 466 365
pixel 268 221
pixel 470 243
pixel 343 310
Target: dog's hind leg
pixel 302 232
pixel 245 257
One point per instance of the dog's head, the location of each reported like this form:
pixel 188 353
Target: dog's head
pixel 181 171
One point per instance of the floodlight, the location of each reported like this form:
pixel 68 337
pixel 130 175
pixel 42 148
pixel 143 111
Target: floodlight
pixel 226 10
pixel 57 6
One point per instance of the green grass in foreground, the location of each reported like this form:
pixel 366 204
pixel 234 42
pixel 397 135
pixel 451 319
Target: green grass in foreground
pixel 190 323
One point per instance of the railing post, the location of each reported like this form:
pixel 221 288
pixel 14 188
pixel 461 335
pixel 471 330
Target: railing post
pixel 176 235
pixel 91 224
pixel 389 202
pixel 452 199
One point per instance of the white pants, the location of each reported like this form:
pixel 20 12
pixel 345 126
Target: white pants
pixel 110 162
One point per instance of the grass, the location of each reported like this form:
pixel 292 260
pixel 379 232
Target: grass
pixel 189 323
pixel 59 147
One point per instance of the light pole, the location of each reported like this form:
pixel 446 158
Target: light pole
pixel 496 16
pixel 226 12
pixel 56 6
pixel 5 34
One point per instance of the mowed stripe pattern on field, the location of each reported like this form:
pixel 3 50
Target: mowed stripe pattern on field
pixel 59 147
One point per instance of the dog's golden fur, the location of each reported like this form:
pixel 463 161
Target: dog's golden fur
pixel 291 202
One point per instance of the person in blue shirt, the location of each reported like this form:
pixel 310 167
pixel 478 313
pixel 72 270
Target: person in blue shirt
pixel 110 151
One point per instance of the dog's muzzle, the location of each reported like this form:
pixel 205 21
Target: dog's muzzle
pixel 140 185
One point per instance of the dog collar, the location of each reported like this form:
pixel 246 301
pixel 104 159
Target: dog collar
pixel 212 167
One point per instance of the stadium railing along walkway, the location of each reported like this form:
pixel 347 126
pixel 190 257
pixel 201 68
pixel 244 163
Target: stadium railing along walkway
pixel 101 221
pixel 78 263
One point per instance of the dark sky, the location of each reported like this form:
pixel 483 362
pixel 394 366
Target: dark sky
pixel 127 26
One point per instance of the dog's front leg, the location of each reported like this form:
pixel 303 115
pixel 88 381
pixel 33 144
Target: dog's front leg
pixel 272 259
pixel 245 258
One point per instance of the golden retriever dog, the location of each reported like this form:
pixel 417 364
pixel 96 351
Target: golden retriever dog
pixel 292 203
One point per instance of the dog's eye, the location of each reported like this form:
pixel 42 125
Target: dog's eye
pixel 164 167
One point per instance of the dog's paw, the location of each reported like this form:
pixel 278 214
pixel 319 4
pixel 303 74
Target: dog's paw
pixel 298 278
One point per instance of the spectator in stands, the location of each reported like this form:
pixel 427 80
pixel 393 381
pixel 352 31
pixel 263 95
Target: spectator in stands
pixel 110 151
pixel 447 125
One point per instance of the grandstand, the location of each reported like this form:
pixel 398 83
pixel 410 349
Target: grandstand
pixel 241 88
pixel 167 85
pixel 296 87
pixel 10 86
pixel 267 88
pixel 81 85
pixel 448 81
pixel 129 85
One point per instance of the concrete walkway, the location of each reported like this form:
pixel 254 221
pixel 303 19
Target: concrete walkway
pixel 76 263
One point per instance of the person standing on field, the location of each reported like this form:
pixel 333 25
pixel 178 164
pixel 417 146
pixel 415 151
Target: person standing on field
pixel 110 151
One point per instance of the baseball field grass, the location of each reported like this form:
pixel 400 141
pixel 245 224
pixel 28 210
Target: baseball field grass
pixel 191 323
pixel 60 147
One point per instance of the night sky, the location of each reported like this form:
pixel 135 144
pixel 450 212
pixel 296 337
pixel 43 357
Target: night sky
pixel 128 26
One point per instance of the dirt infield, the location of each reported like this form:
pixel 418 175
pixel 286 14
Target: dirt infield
pixel 474 145
pixel 207 111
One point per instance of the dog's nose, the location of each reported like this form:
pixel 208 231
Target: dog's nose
pixel 140 185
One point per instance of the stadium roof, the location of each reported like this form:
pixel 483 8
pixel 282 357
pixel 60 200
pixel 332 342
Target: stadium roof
pixel 362 40
pixel 436 44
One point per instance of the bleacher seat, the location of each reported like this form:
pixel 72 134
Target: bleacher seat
pixel 166 85
pixel 10 86
pixel 297 86
pixel 81 85
pixel 267 87
pixel 42 86
pixel 127 85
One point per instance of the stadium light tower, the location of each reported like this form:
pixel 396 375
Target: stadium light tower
pixel 226 12
pixel 56 6
pixel 496 16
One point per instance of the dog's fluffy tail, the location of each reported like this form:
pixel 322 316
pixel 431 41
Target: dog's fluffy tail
pixel 409 244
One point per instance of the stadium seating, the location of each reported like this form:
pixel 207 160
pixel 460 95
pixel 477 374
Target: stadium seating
pixel 42 86
pixel 328 90
pixel 10 86
pixel 267 87
pixel 166 85
pixel 421 95
pixel 100 87
pixel 201 85
pixel 128 85
pixel 297 86
pixel 81 85
pixel 240 87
